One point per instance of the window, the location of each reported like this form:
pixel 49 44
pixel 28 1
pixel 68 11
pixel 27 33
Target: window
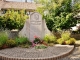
pixel 30 0
pixel 3 11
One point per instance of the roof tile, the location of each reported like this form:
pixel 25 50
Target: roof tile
pixel 18 5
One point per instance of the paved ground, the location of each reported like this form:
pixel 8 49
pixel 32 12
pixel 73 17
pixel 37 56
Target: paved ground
pixel 32 53
pixel 75 55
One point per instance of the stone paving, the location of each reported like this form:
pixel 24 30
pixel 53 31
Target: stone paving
pixel 32 53
pixel 74 56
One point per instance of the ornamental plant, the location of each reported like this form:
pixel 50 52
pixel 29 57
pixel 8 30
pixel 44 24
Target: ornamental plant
pixel 21 40
pixel 3 38
pixel 49 38
pixel 11 43
pixel 66 39
pixel 14 19
pixel 2 22
pixel 40 46
pixel 65 35
pixel 71 41
pixel 37 40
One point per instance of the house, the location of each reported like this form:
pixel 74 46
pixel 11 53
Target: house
pixel 28 6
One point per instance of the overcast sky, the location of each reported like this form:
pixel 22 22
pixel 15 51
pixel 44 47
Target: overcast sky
pixel 19 0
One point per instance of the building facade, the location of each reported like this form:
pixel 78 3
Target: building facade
pixel 27 6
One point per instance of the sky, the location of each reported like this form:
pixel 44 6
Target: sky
pixel 19 0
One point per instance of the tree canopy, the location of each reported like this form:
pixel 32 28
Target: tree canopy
pixel 57 13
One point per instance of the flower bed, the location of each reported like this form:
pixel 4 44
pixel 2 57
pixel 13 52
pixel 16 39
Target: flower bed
pixel 38 43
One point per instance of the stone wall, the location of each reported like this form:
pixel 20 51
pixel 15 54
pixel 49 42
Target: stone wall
pixel 76 36
pixel 13 34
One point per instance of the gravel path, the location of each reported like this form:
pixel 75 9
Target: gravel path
pixel 74 56
pixel 33 53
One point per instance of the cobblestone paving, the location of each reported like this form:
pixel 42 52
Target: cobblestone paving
pixel 74 56
pixel 33 53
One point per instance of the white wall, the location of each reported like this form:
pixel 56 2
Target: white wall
pixel 21 0
pixel 16 0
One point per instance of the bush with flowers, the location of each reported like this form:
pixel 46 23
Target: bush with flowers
pixel 37 40
pixel 39 43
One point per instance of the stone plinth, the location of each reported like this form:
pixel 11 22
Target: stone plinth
pixel 34 26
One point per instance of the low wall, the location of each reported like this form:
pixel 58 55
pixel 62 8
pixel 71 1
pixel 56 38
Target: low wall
pixel 13 34
pixel 76 36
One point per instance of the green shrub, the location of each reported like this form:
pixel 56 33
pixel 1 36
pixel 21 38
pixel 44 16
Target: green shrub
pixel 3 37
pixel 60 41
pixel 22 40
pixel 71 41
pixel 11 43
pixel 50 38
pixel 65 35
pixel 68 42
pixel 13 19
pixel 40 46
pixel 51 44
pixel 1 45
pixel 25 46
pixel 2 22
pixel 66 39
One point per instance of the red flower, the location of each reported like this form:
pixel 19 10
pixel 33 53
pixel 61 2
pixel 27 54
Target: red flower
pixel 35 36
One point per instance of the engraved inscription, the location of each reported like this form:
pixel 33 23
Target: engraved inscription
pixel 36 16
pixel 36 20
pixel 36 23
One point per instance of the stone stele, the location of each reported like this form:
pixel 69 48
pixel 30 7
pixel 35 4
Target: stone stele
pixel 34 26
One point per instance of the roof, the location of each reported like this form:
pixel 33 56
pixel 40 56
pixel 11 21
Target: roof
pixel 18 5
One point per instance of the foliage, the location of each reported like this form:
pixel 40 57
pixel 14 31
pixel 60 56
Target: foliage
pixel 13 19
pixel 11 43
pixel 71 41
pixel 2 22
pixel 21 40
pixel 66 39
pixel 51 44
pixel 65 35
pixel 25 46
pixel 57 13
pixel 40 46
pixel 77 6
pixel 76 9
pixel 1 45
pixel 3 38
pixel 49 38
pixel 60 41
pixel 37 40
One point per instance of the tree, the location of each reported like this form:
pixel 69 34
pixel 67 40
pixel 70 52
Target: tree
pixel 14 19
pixel 59 14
